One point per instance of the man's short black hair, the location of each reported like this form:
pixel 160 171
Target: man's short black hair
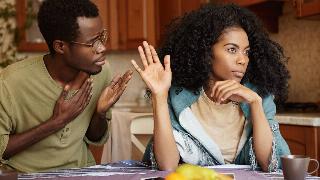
pixel 57 19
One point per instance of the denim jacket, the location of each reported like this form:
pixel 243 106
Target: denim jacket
pixel 195 146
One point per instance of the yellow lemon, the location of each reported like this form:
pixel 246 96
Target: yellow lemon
pixel 175 176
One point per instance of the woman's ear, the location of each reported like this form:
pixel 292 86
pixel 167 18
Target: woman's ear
pixel 59 46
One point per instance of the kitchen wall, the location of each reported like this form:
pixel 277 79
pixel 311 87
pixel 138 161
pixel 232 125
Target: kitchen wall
pixel 301 41
pixel 120 62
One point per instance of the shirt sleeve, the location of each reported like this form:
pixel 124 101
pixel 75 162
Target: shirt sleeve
pixel 279 145
pixel 6 124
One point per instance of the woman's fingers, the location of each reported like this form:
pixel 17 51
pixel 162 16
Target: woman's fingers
pixel 136 66
pixel 222 88
pixel 215 89
pixel 143 57
pixel 167 66
pixel 154 54
pixel 148 52
pixel 226 92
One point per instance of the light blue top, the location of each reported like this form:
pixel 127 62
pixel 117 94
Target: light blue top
pixel 196 147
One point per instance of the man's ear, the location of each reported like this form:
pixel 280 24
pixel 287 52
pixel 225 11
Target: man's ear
pixel 59 46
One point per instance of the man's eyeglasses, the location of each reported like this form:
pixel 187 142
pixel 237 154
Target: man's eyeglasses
pixel 97 43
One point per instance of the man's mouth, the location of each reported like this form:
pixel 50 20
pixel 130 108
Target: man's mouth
pixel 101 61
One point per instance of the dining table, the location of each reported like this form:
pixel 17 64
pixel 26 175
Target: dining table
pixel 137 170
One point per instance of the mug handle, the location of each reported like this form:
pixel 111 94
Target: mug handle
pixel 316 161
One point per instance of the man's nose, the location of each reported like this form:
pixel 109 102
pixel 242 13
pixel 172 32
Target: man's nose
pixel 102 48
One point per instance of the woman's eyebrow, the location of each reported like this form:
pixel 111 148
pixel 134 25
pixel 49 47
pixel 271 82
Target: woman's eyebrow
pixel 231 44
pixel 236 45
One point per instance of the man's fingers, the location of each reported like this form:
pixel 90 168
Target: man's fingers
pixel 127 73
pixel 83 91
pixel 127 76
pixel 115 80
pixel 64 92
pixel 85 99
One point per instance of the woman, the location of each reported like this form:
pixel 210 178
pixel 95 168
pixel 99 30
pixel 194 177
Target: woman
pixel 220 108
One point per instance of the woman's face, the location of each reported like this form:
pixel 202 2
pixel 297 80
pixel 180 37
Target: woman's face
pixel 230 55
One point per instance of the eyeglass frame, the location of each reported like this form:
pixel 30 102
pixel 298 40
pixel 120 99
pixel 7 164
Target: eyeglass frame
pixel 101 39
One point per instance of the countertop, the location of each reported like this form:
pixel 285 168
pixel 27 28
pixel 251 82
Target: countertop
pixel 302 119
pixel 289 118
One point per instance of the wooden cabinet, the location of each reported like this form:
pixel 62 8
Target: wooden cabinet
pixel 136 20
pixel 167 10
pixel 268 11
pixel 303 140
pixel 307 7
pixel 129 22
pixel 29 37
pixel 133 21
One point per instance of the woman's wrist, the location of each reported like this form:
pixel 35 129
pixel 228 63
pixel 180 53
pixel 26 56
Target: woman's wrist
pixel 160 95
pixel 257 100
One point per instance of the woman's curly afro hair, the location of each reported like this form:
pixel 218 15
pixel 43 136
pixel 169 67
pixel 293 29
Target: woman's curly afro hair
pixel 189 40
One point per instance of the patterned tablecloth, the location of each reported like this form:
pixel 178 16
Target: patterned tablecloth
pixel 135 170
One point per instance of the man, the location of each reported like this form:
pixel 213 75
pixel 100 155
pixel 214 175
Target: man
pixel 52 107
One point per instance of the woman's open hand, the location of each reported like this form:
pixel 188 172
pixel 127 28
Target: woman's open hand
pixel 156 77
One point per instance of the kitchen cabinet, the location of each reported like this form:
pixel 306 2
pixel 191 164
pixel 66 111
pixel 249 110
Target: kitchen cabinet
pixel 129 22
pixel 268 11
pixel 303 140
pixel 29 37
pixel 307 7
pixel 133 21
pixel 136 23
pixel 167 10
pixel 302 133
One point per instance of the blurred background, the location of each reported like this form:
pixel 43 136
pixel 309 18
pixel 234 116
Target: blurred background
pixel 295 24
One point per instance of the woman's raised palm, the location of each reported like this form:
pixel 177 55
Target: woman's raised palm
pixel 156 77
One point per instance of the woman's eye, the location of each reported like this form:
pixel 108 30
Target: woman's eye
pixel 246 52
pixel 232 50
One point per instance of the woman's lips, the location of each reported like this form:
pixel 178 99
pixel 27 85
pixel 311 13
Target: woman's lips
pixel 238 74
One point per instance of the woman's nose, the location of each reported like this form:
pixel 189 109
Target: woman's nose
pixel 242 59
